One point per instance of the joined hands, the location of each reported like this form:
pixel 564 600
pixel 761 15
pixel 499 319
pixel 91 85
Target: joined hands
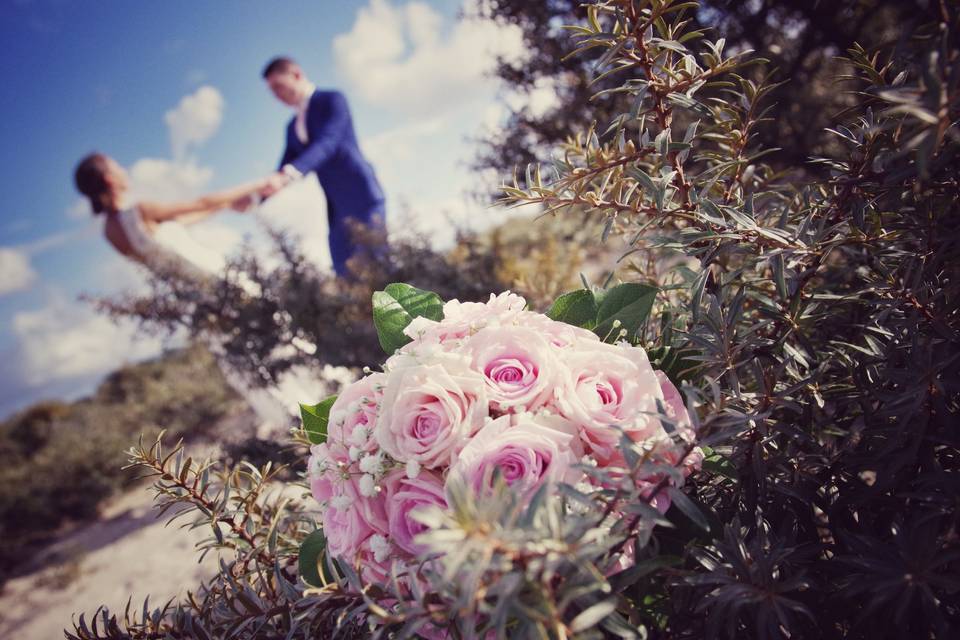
pixel 268 186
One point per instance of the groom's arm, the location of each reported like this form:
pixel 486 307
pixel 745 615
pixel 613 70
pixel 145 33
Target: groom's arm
pixel 326 135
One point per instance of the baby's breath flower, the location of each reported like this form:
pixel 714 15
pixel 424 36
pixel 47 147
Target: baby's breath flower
pixel 380 547
pixel 372 464
pixel 368 486
pixel 341 502
pixel 359 435
pixel 413 469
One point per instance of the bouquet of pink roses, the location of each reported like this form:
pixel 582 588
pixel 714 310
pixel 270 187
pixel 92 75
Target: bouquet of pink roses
pixel 481 393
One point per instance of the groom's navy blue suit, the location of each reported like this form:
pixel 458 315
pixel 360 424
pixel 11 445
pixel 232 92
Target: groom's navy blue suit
pixel 331 151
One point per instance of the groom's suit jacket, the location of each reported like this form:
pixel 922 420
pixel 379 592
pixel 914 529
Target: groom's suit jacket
pixel 331 151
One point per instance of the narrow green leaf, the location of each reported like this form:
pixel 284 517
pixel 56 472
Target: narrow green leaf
pixel 696 294
pixel 592 616
pixel 720 465
pixel 779 275
pixel 687 507
pixel 642 178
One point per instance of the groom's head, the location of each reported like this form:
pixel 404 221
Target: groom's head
pixel 285 78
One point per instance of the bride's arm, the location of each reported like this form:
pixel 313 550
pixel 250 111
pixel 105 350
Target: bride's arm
pixel 204 205
pixel 191 218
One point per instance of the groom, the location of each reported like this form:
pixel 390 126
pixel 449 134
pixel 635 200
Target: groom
pixel 320 138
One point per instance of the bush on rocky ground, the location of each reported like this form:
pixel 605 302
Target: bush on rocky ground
pixel 59 461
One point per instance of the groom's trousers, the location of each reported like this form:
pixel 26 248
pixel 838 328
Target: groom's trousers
pixel 343 234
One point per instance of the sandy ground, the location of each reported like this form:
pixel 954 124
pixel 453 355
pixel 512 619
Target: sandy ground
pixel 127 552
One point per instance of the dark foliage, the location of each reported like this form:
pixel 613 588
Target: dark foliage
pixel 822 319
pixel 801 38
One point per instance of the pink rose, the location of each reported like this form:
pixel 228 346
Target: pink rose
pixel 676 411
pixel 463 319
pixel 610 387
pixel 430 410
pixel 424 331
pixel 324 471
pixel 526 452
pixel 500 309
pixel 403 496
pixel 373 566
pixel 356 406
pixel 559 334
pixel 673 401
pixel 518 366
pixel 351 518
pixel 659 500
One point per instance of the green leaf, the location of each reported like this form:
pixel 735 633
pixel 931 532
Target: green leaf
pixel 686 506
pixel 396 306
pixel 592 616
pixel 310 561
pixel 720 465
pixel 578 308
pixel 316 418
pixel 630 303
pixel 642 178
pixel 696 295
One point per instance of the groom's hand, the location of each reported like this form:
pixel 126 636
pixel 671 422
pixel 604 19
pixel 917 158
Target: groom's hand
pixel 275 182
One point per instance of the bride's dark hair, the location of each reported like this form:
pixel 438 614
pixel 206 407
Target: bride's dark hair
pixel 90 178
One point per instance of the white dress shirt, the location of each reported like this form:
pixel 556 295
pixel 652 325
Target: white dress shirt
pixel 300 123
pixel 300 126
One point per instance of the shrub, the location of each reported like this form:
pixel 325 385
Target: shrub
pixel 298 303
pixel 59 461
pixel 821 317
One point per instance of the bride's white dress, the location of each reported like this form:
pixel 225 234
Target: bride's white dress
pixel 301 209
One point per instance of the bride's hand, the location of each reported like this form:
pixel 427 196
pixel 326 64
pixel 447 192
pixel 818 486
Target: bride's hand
pixel 243 204
pixel 273 183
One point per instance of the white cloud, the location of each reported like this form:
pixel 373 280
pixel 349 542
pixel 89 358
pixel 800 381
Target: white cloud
pixel 402 57
pixel 16 273
pixel 167 180
pixel 194 120
pixel 394 150
pixel 116 273
pixel 432 79
pixel 79 209
pixel 540 100
pixel 55 240
pixel 441 218
pixel 69 341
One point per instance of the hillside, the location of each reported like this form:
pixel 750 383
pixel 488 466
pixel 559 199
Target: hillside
pixel 59 461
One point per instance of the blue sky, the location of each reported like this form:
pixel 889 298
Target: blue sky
pixel 173 91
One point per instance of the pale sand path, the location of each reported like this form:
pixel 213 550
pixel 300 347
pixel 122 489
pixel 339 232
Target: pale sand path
pixel 127 551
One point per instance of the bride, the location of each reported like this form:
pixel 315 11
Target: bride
pixel 134 230
pixel 131 227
